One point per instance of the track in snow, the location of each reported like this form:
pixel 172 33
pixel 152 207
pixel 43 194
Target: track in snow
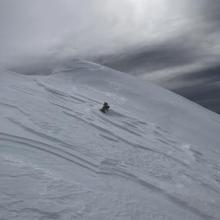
pixel 123 144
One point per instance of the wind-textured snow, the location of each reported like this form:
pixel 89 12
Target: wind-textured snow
pixel 153 156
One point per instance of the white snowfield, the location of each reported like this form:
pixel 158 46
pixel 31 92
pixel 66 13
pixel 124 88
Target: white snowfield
pixel 153 156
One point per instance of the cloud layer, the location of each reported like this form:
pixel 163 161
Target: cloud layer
pixel 84 27
pixel 173 43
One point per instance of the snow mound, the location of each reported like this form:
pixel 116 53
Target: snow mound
pixel 154 156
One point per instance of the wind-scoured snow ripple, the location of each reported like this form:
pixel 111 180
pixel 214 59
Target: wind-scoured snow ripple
pixel 148 158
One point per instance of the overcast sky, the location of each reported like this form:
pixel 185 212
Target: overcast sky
pixel 91 27
pixel 166 41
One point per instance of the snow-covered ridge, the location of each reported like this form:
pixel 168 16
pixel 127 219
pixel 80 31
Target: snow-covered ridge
pixel 155 155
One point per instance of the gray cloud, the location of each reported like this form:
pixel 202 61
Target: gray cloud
pixel 144 59
pixel 83 27
pixel 173 43
pixel 202 87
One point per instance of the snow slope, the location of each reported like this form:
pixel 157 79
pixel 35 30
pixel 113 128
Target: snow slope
pixel 154 156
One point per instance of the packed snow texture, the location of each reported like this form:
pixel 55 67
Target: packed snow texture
pixel 154 155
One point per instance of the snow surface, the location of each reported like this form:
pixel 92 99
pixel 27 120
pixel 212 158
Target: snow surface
pixel 154 156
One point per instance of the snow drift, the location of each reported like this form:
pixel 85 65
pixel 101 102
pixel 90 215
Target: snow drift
pixel 155 155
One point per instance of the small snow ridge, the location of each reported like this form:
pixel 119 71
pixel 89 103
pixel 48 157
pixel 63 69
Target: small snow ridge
pixel 188 153
pixel 61 158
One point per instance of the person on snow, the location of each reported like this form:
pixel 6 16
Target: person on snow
pixel 105 107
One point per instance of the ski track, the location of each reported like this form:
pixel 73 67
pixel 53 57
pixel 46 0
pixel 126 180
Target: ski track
pixel 70 152
pixel 23 90
pixel 168 142
pixel 105 168
pixel 111 136
pixel 51 149
pixel 205 185
pixel 14 107
pixel 88 99
pixel 119 126
pixel 134 145
pixel 45 136
pixel 61 93
pixel 152 186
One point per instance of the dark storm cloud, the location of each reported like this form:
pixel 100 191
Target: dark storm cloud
pixel 194 40
pixel 211 74
pixel 204 94
pixel 211 10
pixel 139 60
pixel 201 86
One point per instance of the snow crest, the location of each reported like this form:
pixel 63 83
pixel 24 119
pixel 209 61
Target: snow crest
pixel 154 156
